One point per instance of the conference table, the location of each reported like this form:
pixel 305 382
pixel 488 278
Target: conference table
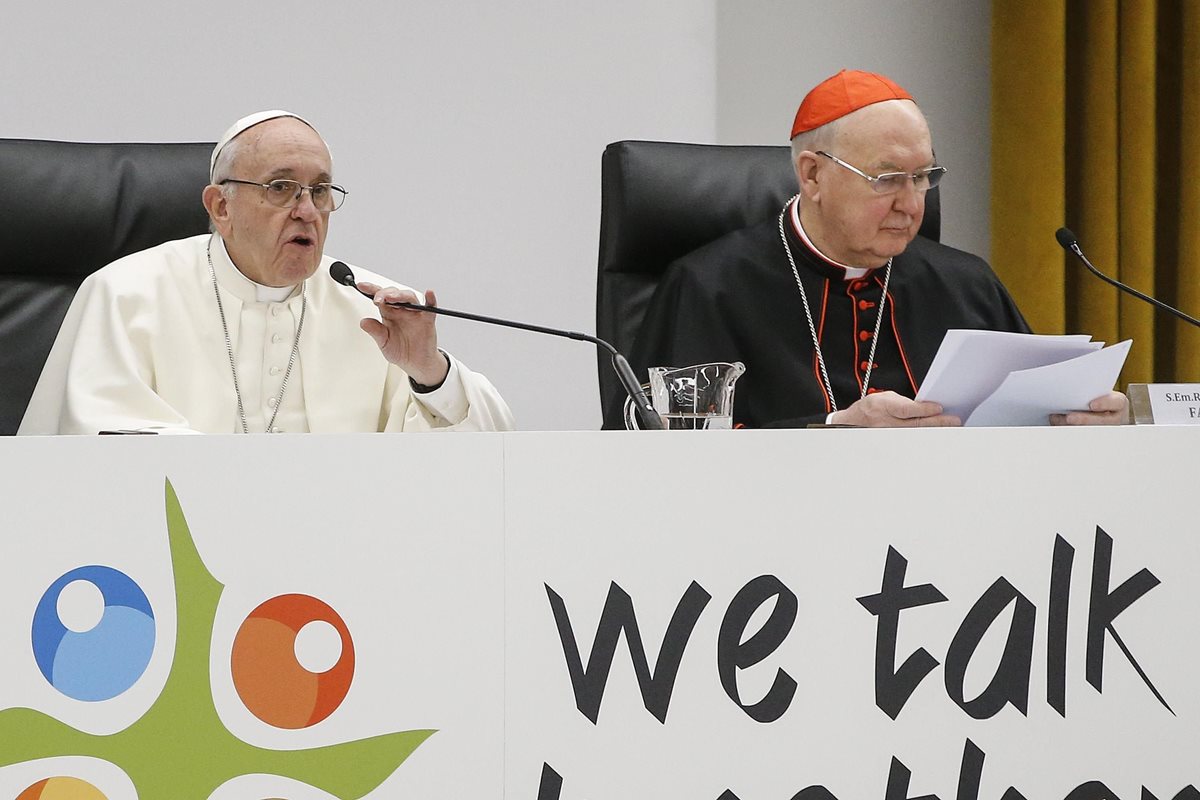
pixel 720 615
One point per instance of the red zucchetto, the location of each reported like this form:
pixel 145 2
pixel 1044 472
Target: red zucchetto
pixel 849 90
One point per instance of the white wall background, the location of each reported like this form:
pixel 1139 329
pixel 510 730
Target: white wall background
pixel 470 133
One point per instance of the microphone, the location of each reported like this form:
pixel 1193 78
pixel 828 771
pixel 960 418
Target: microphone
pixel 342 274
pixel 1071 245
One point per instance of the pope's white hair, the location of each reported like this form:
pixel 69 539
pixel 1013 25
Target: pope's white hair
pixel 223 169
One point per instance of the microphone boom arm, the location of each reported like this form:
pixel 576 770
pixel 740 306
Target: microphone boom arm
pixel 1071 245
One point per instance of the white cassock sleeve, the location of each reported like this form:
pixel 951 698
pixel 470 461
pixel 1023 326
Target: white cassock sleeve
pixel 466 401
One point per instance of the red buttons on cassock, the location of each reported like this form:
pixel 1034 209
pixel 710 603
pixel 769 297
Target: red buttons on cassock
pixel 858 286
pixel 864 365
pixel 863 305
pixel 873 390
pixel 864 335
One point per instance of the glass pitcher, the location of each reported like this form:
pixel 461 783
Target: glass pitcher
pixel 691 398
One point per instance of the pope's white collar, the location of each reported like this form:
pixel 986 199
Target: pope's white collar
pixel 246 290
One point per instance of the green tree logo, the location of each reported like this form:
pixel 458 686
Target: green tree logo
pixel 179 748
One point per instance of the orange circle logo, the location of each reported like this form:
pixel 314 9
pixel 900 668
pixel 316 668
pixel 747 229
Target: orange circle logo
pixel 269 676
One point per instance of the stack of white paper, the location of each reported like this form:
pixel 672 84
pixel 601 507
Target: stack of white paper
pixel 992 378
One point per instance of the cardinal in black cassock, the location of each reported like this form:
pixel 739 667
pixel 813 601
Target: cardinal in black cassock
pixel 836 306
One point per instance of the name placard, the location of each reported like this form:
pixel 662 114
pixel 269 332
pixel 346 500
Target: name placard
pixel 1165 403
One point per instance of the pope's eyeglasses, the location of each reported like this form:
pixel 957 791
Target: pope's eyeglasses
pixel 891 182
pixel 285 193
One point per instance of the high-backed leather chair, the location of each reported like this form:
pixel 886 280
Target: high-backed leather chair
pixel 67 209
pixel 662 200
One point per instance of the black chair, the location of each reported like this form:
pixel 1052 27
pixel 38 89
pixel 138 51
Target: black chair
pixel 662 200
pixel 69 209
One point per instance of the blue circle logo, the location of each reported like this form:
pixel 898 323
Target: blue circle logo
pixel 104 661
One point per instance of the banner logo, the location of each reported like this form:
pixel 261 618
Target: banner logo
pixel 179 747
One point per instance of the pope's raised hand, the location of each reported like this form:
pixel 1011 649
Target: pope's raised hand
pixel 406 337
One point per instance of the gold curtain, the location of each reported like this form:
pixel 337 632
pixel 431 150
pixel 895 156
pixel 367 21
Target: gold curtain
pixel 1096 126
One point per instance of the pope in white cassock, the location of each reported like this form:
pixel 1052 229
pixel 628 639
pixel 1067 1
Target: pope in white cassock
pixel 243 330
